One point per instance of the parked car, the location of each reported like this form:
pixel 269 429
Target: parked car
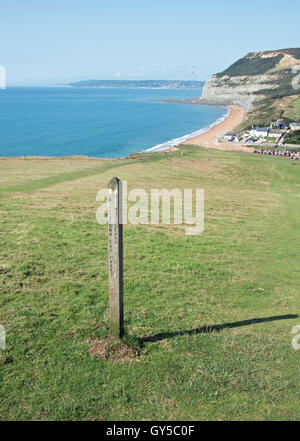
pixel 251 140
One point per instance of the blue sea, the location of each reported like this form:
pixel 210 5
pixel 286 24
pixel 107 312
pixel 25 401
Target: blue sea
pixel 98 122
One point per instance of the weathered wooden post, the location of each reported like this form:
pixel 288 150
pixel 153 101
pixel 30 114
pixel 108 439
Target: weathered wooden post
pixel 115 258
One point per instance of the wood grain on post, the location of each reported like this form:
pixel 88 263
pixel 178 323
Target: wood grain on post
pixel 115 258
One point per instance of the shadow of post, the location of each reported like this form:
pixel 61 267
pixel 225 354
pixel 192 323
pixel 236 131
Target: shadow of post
pixel 213 328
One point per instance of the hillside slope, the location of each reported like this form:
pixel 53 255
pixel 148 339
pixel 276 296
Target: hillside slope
pixel 261 82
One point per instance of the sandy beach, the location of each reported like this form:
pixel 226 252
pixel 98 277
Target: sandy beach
pixel 209 138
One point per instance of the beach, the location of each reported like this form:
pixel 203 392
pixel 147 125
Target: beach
pixel 209 138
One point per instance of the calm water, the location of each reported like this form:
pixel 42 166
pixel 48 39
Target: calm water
pixel 96 122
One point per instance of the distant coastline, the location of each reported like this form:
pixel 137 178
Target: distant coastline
pixel 135 84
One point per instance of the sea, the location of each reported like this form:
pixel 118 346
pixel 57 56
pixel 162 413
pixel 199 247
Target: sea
pixel 98 122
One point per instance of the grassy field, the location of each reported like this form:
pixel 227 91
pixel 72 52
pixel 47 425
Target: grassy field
pixel 208 318
pixel 272 108
pixel 294 111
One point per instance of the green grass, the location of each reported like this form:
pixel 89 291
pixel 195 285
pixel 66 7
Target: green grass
pixel 296 105
pixel 254 65
pixel 293 138
pixel 293 112
pixel 190 302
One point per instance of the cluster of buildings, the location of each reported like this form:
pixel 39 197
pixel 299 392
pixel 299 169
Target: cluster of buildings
pixel 274 133
pixel 269 132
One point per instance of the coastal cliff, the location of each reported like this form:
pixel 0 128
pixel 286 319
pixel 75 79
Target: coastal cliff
pixel 261 82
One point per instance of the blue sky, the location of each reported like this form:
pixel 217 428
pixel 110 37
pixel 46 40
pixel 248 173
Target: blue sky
pixel 49 41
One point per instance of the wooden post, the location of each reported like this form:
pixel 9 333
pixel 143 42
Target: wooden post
pixel 115 258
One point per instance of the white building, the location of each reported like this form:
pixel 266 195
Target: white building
pixel 295 126
pixel 229 137
pixel 260 132
pixel 275 134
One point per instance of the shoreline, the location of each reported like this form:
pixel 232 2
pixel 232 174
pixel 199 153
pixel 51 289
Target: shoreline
pixel 209 138
pixel 172 143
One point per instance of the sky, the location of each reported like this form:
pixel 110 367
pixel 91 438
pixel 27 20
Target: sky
pixel 60 41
